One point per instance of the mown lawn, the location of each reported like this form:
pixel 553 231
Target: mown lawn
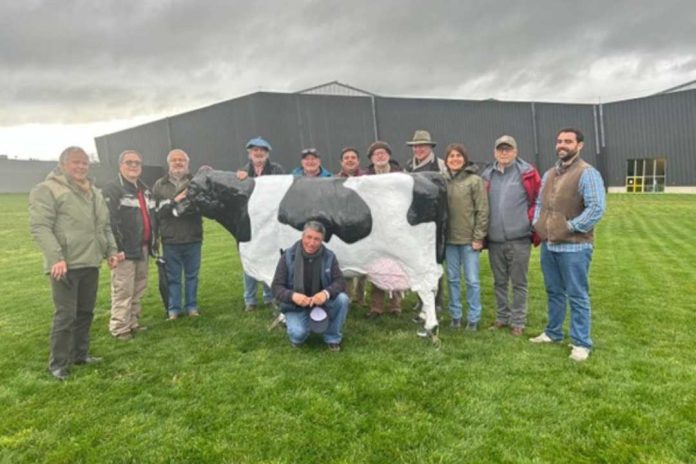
pixel 221 388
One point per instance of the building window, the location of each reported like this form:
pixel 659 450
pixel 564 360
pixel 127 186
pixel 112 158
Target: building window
pixel 645 175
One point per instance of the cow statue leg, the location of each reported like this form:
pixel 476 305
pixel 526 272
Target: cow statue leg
pixel 429 315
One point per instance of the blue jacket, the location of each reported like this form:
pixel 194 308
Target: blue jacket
pixel 299 172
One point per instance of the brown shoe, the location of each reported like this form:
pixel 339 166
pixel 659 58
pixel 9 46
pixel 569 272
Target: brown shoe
pixel 335 347
pixel 372 315
pixel 498 325
pixel 517 331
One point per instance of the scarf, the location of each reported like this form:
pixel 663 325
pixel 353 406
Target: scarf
pixel 428 159
pixel 309 265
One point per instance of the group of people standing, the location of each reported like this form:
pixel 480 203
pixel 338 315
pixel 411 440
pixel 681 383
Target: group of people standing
pixel 505 209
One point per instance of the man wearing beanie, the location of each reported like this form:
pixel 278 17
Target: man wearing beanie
pixel 379 154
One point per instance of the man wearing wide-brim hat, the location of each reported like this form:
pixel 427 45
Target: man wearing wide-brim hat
pixel 424 158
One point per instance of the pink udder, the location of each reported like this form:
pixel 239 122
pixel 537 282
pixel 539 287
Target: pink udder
pixel 388 275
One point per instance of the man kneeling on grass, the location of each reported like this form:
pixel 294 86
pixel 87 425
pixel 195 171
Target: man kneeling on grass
pixel 308 276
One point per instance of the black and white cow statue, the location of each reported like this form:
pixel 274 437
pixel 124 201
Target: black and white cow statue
pixel 390 227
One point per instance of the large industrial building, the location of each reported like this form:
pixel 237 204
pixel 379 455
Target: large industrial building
pixel 641 145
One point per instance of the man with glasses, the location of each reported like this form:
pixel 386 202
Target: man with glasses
pixel 513 186
pixel 311 165
pixel 133 221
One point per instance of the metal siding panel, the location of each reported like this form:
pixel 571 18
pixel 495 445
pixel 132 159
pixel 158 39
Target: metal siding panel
pixel 476 124
pixel 554 116
pixel 654 127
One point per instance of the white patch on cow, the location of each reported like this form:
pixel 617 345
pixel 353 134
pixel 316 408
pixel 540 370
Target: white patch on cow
pixel 396 255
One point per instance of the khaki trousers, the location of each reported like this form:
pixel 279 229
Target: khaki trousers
pixel 128 283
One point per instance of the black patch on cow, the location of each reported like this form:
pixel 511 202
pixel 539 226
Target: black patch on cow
pixel 429 204
pixel 219 195
pixel 327 200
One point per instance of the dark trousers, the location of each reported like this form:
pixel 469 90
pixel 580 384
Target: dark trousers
pixel 510 265
pixel 74 297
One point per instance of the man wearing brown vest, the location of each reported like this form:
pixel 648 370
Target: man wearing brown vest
pixel 570 204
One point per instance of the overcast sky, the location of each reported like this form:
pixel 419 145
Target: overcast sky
pixel 72 70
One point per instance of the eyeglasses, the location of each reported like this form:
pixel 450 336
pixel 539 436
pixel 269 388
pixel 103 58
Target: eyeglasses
pixel 309 151
pixel 133 163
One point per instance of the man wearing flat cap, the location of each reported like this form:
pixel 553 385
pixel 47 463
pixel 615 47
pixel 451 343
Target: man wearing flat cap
pixel 259 165
pixel 513 186
pixel 310 165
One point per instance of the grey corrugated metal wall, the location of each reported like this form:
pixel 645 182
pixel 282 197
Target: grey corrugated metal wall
pixel 215 135
pixel 660 126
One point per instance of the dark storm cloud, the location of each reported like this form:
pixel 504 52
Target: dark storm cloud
pixel 79 61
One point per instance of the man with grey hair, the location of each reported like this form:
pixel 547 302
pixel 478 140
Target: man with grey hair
pixel 308 276
pixel 258 151
pixel 69 220
pixel 133 221
pixel 181 235
pixel 513 186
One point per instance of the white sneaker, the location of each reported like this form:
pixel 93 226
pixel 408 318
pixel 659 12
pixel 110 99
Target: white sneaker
pixel 543 338
pixel 579 353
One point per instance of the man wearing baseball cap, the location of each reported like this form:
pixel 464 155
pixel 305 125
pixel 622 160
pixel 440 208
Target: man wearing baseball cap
pixel 513 186
pixel 311 165
pixel 259 164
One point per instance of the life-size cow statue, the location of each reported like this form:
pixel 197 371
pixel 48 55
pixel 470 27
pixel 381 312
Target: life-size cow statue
pixel 390 227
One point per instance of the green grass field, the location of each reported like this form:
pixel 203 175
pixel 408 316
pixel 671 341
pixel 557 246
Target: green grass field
pixel 221 388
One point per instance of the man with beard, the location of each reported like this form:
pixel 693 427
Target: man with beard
pixel 570 204
pixel 181 235
pixel 308 276
pixel 259 164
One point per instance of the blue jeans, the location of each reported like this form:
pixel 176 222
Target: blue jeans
pixel 565 277
pixel 184 257
pixel 250 286
pixel 458 256
pixel 298 321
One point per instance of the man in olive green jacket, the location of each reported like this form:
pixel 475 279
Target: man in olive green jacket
pixel 69 220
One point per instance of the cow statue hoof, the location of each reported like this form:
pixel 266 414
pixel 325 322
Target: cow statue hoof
pixel 433 334
pixel 278 320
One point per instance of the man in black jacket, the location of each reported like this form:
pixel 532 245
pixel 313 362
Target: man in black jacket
pixel 181 235
pixel 132 211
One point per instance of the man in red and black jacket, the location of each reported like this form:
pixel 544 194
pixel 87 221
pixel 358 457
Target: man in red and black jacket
pixel 513 186
pixel 133 221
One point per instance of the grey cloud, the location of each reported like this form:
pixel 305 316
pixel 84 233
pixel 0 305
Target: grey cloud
pixel 81 61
